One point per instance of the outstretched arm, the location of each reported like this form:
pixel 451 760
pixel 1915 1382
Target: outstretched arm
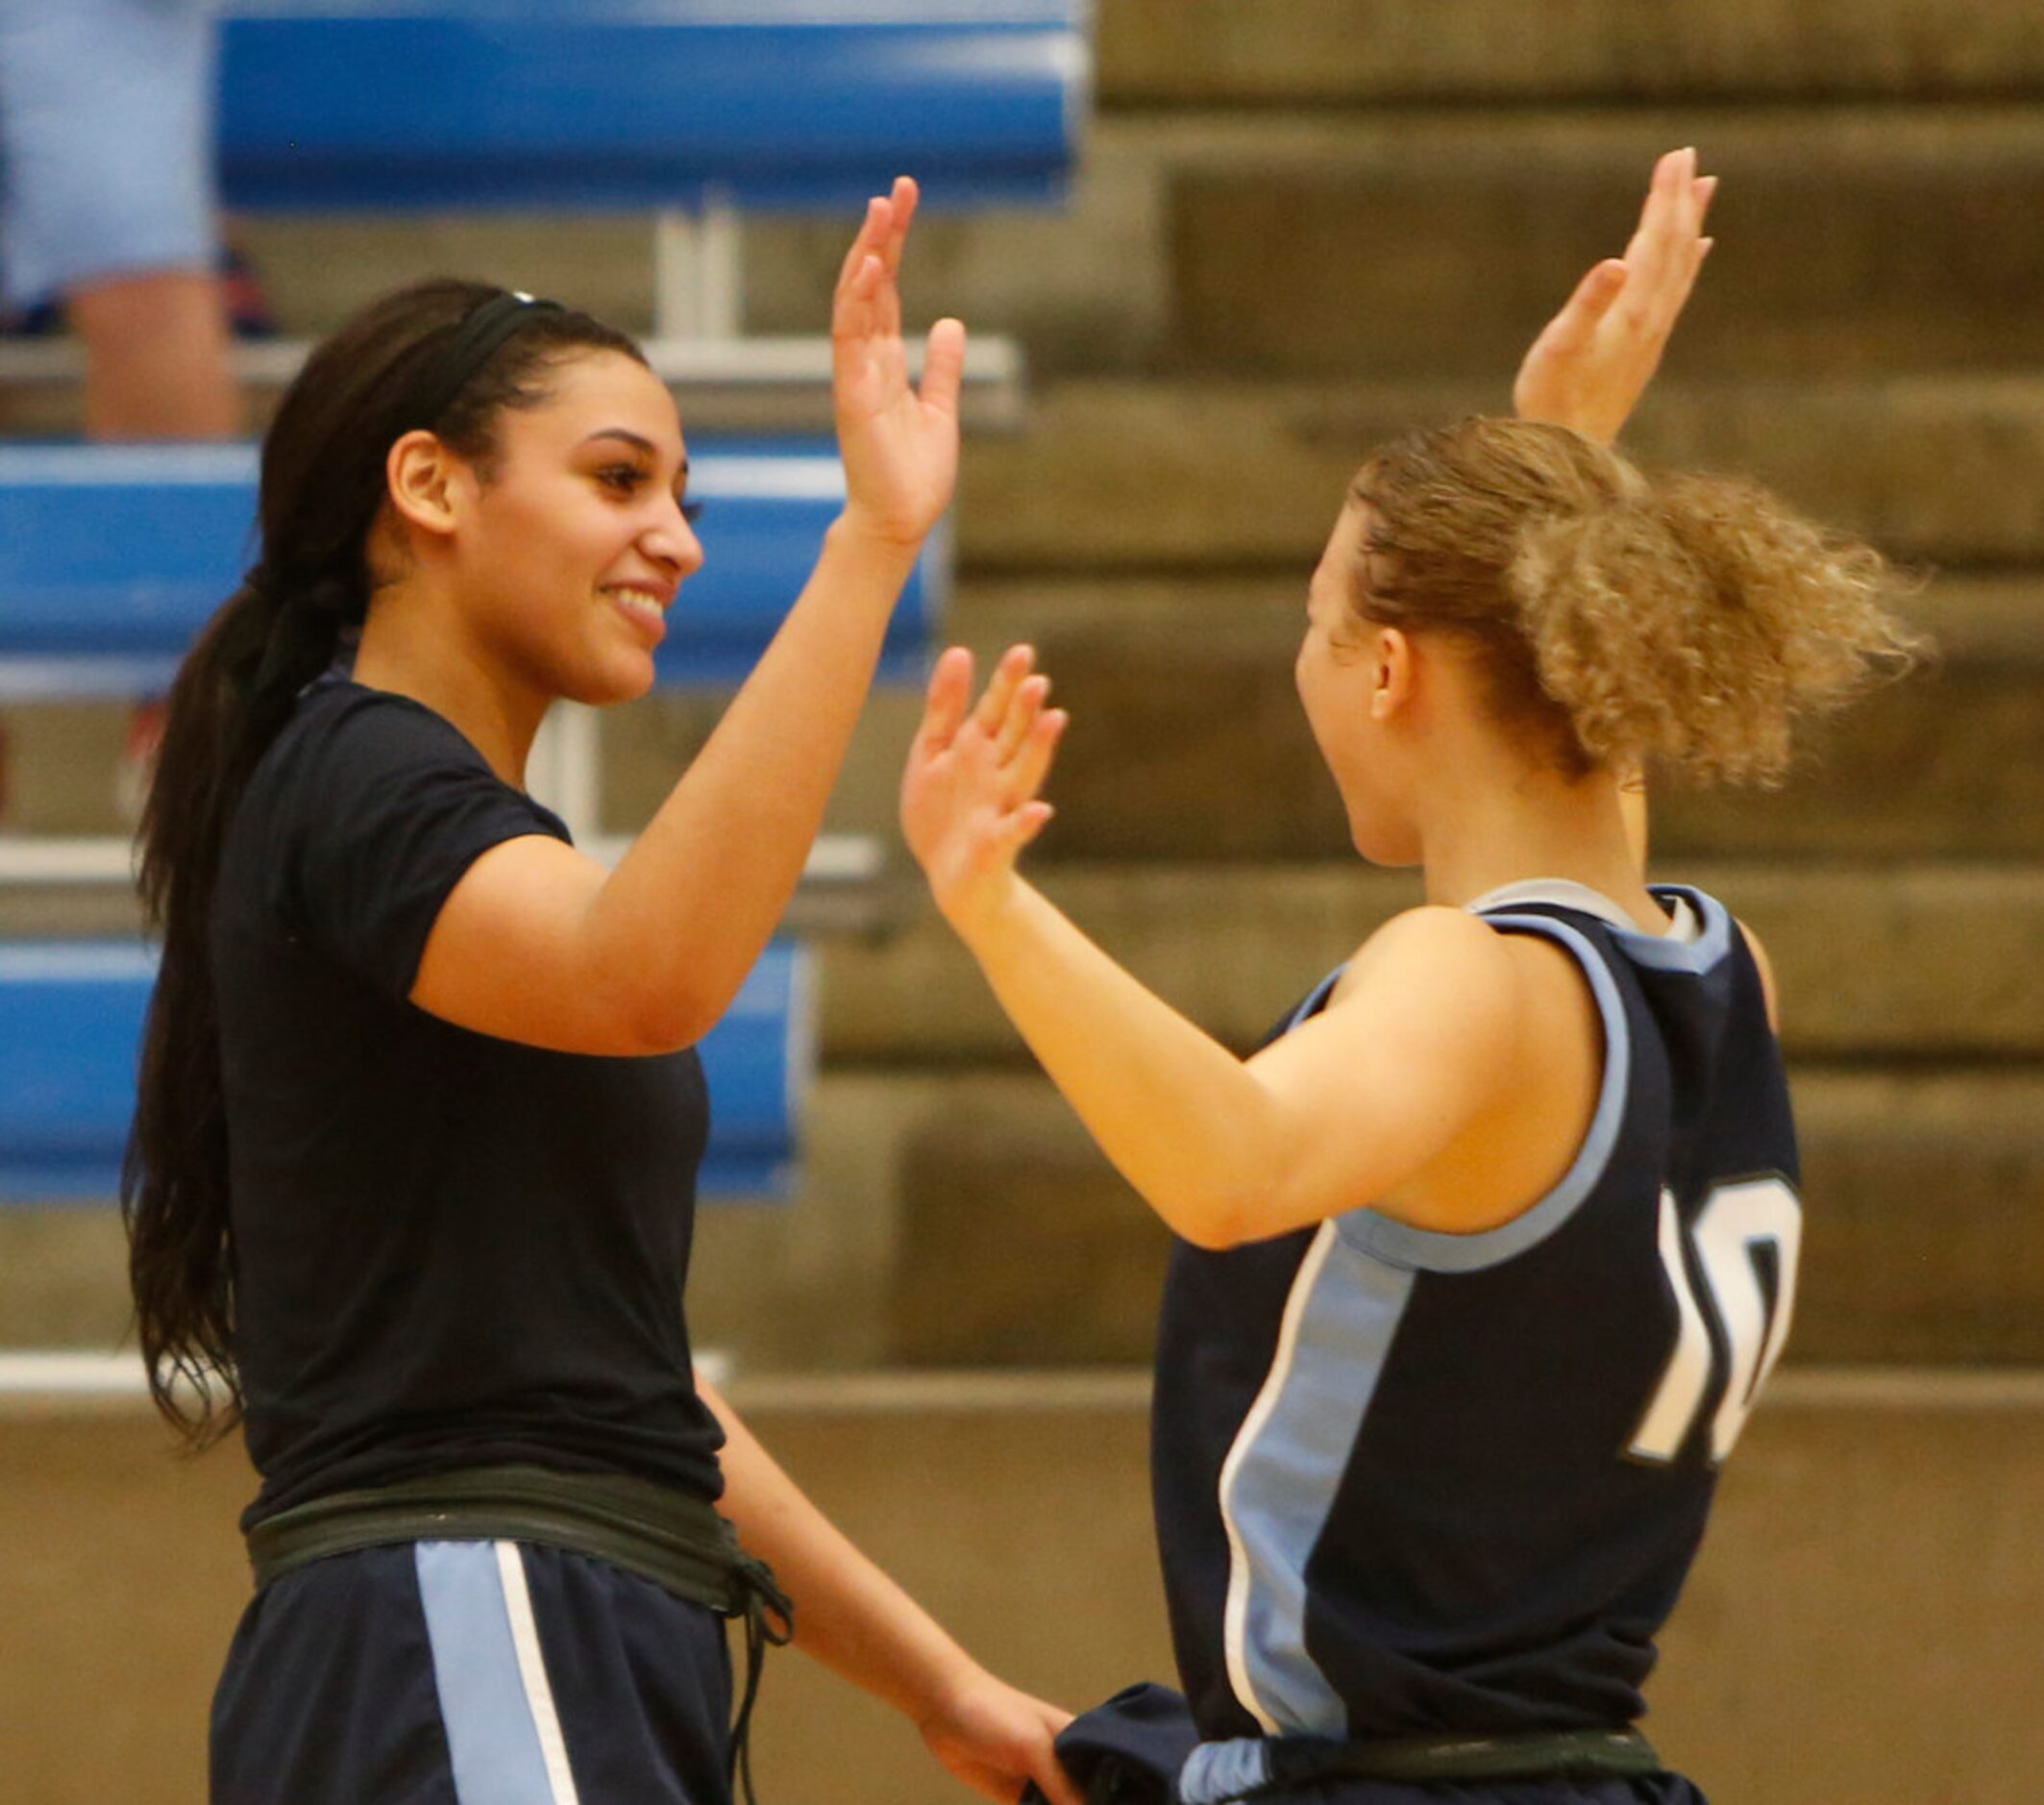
pixel 1420 1043
pixel 646 958
pixel 1593 361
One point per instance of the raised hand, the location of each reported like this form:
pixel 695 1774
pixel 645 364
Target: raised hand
pixel 970 799
pixel 900 448
pixel 1595 358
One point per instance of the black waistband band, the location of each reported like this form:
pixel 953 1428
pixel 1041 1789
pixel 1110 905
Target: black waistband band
pixel 672 1538
pixel 1539 1754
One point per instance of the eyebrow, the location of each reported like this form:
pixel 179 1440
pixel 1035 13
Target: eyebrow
pixel 636 440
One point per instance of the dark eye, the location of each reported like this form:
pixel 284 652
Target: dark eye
pixel 623 479
pixel 692 511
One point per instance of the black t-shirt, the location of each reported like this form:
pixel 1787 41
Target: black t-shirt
pixel 450 1249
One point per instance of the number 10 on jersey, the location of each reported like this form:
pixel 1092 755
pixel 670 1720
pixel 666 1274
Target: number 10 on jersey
pixel 1737 1219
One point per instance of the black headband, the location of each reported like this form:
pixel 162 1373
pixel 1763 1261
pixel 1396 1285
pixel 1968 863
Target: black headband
pixel 481 335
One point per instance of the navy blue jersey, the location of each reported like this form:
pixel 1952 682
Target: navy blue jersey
pixel 1409 1482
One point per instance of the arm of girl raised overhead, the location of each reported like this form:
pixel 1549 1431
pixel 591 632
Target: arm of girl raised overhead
pixel 1595 358
pixel 1224 1149
pixel 1592 361
pixel 648 957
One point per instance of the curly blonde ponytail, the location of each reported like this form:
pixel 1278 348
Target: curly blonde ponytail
pixel 1678 623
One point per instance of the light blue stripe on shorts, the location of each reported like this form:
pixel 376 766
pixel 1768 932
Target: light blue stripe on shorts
pixel 497 1730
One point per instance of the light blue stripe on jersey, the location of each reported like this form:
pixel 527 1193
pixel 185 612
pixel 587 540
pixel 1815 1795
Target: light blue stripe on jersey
pixel 490 1734
pixel 1427 1250
pixel 1300 1438
pixel 1696 956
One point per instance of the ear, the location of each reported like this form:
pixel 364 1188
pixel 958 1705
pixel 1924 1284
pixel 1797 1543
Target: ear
pixel 423 479
pixel 1394 677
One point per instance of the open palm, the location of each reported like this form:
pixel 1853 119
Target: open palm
pixel 1589 367
pixel 970 799
pixel 899 447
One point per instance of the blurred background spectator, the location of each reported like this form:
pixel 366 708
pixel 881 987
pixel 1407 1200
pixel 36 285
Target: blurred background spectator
pixel 107 201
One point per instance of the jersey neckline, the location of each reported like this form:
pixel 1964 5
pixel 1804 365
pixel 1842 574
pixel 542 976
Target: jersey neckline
pixel 1686 930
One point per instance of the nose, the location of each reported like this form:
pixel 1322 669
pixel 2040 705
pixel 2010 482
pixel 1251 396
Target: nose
pixel 672 540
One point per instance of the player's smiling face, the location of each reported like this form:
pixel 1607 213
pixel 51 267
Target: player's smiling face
pixel 1341 674
pixel 574 548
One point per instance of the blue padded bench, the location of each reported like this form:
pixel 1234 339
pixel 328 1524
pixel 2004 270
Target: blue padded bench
pixel 686 109
pixel 396 105
pixel 111 557
pixel 72 1019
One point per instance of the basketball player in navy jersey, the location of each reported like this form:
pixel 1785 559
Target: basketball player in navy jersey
pixel 1485 1255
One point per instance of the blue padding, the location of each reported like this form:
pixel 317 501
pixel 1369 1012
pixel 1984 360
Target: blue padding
pixel 111 559
pixel 381 104
pixel 71 1021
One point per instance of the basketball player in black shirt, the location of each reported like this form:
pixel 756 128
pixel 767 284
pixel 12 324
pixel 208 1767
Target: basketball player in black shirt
pixel 413 1181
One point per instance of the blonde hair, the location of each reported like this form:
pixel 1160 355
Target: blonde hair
pixel 1680 624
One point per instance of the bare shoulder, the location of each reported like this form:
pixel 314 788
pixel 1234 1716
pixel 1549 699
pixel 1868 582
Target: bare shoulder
pixel 1437 956
pixel 1433 933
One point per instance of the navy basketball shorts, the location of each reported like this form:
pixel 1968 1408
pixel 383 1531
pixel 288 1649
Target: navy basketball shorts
pixel 1659 1788
pixel 472 1673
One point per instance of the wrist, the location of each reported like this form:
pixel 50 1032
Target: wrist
pixel 981 912
pixel 938 1699
pixel 863 533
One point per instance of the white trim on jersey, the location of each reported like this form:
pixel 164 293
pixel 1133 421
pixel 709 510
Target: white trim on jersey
pixel 1236 1620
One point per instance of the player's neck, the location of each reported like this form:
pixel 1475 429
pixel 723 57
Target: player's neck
pixel 1479 838
pixel 408 647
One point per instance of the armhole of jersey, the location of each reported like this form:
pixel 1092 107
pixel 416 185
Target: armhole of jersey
pixel 1429 1249
pixel 1317 997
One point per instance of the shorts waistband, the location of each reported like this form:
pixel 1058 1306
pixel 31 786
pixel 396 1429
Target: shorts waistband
pixel 1248 1768
pixel 676 1540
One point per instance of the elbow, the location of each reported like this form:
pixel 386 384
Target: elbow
pixel 1260 1196
pixel 1212 1238
pixel 1213 1222
pixel 654 1025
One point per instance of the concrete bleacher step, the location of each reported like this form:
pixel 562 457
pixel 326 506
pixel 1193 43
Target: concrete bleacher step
pixel 1187 740
pixel 1924 1197
pixel 1398 242
pixel 1205 52
pixel 1877 960
pixel 1864 1611
pixel 1121 477
pixel 1409 245
pixel 1409 241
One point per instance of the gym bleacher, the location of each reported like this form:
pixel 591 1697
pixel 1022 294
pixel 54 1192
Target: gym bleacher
pixel 1284 241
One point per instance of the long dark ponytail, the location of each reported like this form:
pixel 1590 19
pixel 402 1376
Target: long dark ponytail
pixel 446 356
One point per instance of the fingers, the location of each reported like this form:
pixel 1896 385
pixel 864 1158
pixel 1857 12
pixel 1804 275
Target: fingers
pixel 944 366
pixel 1659 249
pixel 1054 1783
pixel 1019 734
pixel 1576 324
pixel 950 688
pixel 1706 190
pixel 1031 763
pixel 901 203
pixel 1015 665
pixel 1022 825
pixel 1668 248
pixel 866 299
pixel 873 232
pixel 1022 709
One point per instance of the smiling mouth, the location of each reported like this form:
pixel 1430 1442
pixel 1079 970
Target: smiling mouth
pixel 641 605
